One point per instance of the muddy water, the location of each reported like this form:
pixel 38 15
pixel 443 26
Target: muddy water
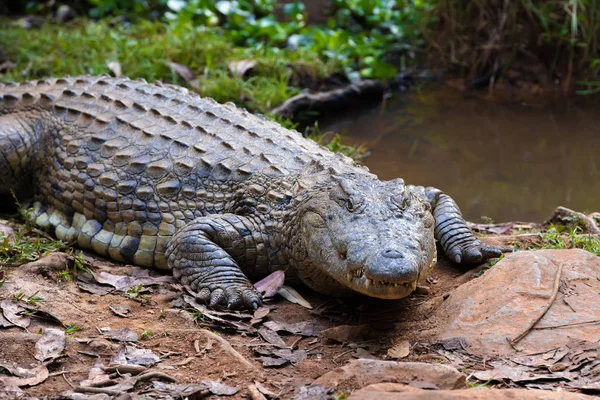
pixel 508 161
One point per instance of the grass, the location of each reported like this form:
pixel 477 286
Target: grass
pixel 569 237
pixel 33 299
pixel 145 49
pixel 149 49
pixel 559 36
pixel 29 244
pixel 72 329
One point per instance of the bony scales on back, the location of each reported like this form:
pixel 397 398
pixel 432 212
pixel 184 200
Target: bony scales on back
pixel 154 175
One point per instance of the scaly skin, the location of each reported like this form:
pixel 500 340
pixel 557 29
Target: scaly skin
pixel 154 175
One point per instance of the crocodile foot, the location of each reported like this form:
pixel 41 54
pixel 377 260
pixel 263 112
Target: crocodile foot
pixel 474 252
pixel 232 296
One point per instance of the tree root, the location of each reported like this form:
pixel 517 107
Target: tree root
pixel 332 100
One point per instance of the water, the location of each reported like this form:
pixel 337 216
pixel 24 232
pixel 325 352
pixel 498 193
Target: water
pixel 507 161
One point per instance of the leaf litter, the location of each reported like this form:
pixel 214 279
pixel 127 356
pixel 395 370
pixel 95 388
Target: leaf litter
pixel 50 346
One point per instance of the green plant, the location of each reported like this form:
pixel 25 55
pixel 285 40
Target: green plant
pixel 487 36
pixel 134 291
pixel 146 334
pixel 130 8
pixel 33 299
pixel 487 220
pixel 472 385
pixel 64 276
pixel 569 237
pixel 72 329
pixel 198 317
pixel 334 142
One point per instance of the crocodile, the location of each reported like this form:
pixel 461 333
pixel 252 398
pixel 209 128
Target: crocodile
pixel 154 175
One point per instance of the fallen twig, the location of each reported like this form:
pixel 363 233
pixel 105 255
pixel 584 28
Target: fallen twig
pixel 125 369
pixel 85 389
pixel 254 393
pixel 594 321
pixel 516 340
pixel 154 375
pixel 68 381
pixel 227 347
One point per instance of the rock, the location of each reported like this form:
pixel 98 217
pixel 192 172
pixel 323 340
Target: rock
pixel 395 391
pixel 505 300
pixel 102 346
pixel 64 14
pixel 568 217
pixel 362 372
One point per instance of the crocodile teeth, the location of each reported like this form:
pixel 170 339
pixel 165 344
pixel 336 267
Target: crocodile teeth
pixel 367 282
pixel 356 273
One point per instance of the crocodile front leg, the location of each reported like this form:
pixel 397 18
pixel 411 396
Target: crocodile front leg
pixel 452 232
pixel 205 255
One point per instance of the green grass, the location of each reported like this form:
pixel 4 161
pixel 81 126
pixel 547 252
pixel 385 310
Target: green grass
pixel 144 51
pixel 72 329
pixel 569 237
pixel 30 244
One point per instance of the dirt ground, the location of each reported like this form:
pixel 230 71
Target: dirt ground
pixel 167 325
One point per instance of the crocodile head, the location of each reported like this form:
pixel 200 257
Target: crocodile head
pixel 373 237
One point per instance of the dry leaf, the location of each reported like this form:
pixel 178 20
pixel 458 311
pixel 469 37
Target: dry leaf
pixel 304 328
pixel 261 312
pixel 270 285
pixel 50 345
pixel 120 311
pixel 11 311
pixel 123 335
pixel 400 350
pixel 115 68
pixel 291 295
pixel 182 71
pixel 271 337
pixel 241 68
pixel 23 376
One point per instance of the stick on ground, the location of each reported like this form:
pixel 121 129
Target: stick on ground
pixel 517 339
pixel 227 347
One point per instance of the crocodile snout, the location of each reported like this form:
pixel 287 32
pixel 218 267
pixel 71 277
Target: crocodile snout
pixel 393 268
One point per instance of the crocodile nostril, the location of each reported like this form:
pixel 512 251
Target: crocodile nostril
pixel 390 253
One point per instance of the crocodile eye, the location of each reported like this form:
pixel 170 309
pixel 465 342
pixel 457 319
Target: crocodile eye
pixel 351 203
pixel 401 202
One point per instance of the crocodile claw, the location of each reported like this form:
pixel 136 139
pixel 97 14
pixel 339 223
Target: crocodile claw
pixel 475 253
pixel 230 296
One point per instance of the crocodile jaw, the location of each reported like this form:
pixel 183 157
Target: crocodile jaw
pixel 357 281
